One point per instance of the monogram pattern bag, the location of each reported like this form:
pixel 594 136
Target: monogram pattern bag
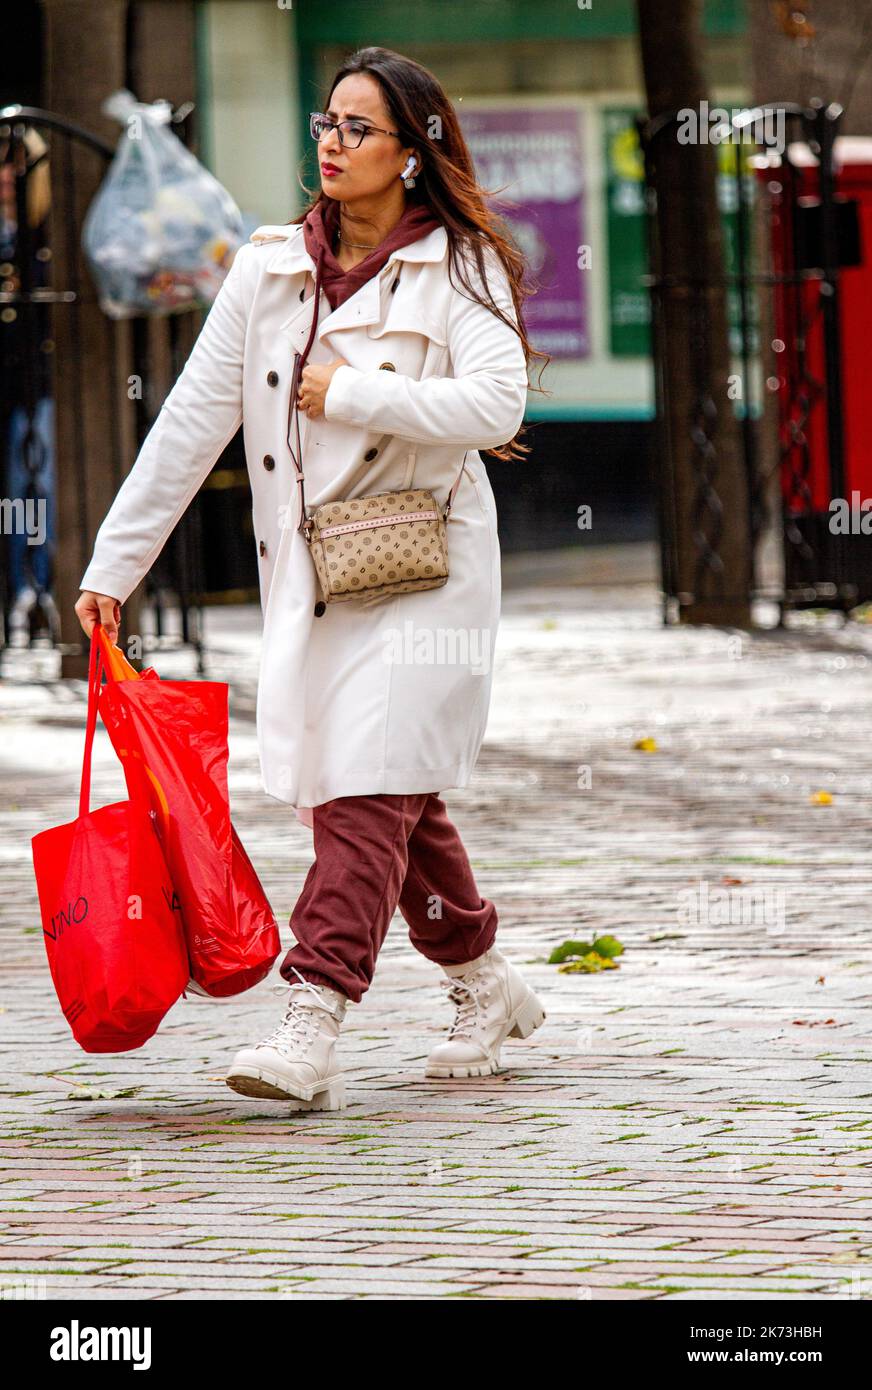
pixel 391 542
pixel 373 546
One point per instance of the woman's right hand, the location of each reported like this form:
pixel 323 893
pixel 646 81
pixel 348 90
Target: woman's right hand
pixel 93 608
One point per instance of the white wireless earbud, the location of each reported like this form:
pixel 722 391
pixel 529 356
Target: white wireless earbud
pixel 409 169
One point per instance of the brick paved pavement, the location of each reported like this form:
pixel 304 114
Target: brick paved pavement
pixel 694 1125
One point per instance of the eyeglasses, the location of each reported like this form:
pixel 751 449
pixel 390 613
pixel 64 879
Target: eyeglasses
pixel 351 133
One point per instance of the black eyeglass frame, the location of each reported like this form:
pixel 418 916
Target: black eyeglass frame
pixel 337 125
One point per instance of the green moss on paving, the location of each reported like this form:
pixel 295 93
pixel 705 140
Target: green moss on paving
pixel 592 1177
pixel 656 1288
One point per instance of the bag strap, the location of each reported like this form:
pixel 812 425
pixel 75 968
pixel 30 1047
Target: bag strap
pixel 95 674
pixel 449 504
pixel 305 524
pixel 115 663
pixel 117 669
pixel 299 364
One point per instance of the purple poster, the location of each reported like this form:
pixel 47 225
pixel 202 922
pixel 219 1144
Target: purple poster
pixel 533 156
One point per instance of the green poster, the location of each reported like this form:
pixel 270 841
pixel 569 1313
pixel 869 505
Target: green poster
pixel 628 302
pixel 629 310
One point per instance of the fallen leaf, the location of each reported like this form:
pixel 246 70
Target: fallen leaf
pixel 606 946
pixel 588 965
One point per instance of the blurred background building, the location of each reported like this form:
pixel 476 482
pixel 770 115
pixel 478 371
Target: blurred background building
pixel 547 94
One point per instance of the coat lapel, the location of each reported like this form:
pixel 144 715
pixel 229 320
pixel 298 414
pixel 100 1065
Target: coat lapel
pixel 362 308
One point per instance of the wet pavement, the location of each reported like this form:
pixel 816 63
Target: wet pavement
pixel 696 1124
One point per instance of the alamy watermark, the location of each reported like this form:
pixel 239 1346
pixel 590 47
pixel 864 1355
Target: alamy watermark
pixel 74 1342
pixel 24 516
pixel 23 1287
pixel 708 905
pixel 852 518
pixel 705 125
pixel 437 646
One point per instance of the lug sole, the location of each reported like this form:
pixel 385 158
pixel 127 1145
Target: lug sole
pixel 264 1084
pixel 461 1069
pixel 526 1019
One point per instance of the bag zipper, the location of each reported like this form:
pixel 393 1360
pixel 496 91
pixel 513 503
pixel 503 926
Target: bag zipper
pixel 376 522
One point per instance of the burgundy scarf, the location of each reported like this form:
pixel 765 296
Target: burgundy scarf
pixel 338 284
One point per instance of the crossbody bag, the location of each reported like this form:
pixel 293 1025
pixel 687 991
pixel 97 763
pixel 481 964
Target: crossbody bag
pixel 375 545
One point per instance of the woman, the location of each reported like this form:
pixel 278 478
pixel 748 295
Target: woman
pixel 364 715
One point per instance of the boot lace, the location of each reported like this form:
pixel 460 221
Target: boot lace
pixel 466 995
pixel 300 1022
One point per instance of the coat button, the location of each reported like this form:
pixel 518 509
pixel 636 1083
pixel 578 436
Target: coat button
pixel 370 454
pixel 269 462
pixel 272 378
pixel 386 367
pixel 262 547
pixel 320 607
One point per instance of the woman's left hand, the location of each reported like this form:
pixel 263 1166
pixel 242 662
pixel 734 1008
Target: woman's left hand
pixel 314 385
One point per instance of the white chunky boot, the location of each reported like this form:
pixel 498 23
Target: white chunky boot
pixel 296 1062
pixel 493 1003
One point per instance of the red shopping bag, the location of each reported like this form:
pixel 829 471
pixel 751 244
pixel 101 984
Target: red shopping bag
pixel 110 920
pixel 171 737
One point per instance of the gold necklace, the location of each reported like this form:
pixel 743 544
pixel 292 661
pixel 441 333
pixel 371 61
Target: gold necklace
pixel 360 245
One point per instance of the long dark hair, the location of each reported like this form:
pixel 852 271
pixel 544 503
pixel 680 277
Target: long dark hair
pixel 446 183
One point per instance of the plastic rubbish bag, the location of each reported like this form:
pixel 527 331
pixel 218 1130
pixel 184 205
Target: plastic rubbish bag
pixel 161 232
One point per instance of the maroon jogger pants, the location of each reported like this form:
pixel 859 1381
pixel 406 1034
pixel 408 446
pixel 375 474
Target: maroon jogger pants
pixel 373 854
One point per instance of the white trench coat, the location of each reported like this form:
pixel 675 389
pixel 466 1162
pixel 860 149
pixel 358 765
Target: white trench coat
pixel 386 696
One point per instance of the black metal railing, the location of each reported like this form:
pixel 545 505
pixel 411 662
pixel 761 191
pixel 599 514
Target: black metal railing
pixel 791 237
pixel 35 241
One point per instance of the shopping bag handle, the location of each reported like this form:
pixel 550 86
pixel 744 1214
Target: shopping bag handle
pixel 115 663
pixel 95 676
pixel 118 668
